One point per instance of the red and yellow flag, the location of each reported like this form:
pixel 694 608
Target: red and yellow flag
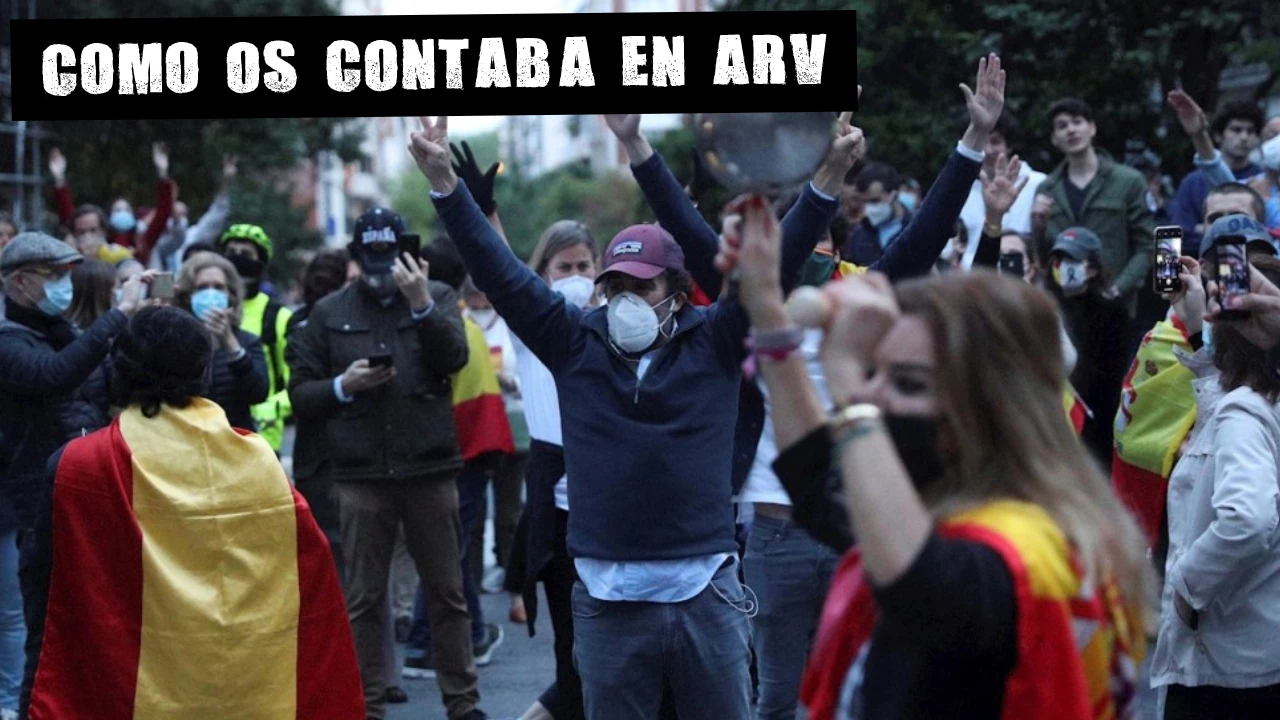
pixel 479 411
pixel 1157 410
pixel 189 580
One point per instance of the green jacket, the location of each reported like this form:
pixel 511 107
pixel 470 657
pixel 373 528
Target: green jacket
pixel 1115 208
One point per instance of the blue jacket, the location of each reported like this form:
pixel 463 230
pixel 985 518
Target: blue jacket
pixel 1188 205
pixel 650 459
pixel 911 254
pixel 863 247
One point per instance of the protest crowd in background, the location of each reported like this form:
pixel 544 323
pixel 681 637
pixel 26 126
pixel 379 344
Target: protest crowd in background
pixel 938 449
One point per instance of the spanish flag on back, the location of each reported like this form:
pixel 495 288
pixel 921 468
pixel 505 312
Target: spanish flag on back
pixel 184 578
pixel 479 412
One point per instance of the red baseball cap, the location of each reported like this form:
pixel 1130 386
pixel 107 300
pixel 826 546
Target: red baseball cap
pixel 642 251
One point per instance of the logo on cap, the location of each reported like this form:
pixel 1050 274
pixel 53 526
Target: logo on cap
pixel 385 234
pixel 631 247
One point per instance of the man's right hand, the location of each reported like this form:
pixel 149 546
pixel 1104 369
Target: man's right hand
pixel 360 377
pixel 58 166
pixel 430 149
pixel 627 129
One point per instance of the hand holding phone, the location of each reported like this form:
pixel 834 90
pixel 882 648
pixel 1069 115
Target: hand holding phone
pixel 1012 264
pixel 1168 264
pixel 380 360
pixel 410 243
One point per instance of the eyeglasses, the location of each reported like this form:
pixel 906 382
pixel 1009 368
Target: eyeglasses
pixel 53 273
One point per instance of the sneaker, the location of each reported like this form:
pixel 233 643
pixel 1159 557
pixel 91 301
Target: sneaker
pixel 396 696
pixel 484 649
pixel 492 582
pixel 419 668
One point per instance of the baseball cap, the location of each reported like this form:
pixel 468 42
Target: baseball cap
pixel 1078 243
pixel 642 251
pixel 1255 234
pixel 37 248
pixel 376 236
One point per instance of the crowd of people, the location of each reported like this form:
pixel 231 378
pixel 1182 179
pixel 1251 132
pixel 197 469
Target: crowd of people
pixel 870 448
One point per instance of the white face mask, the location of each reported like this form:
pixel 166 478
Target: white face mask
pixel 633 324
pixel 484 317
pixel 577 290
pixel 1271 154
pixel 878 212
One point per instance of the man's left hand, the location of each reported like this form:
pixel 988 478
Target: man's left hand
pixel 411 277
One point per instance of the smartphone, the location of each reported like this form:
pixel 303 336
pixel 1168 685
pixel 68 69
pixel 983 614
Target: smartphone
pixel 1231 271
pixel 411 243
pixel 161 287
pixel 1011 264
pixel 380 359
pixel 1168 259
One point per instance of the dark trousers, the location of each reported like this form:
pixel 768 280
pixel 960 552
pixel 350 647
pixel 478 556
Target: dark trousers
pixel 508 486
pixel 563 699
pixel 1212 703
pixel 471 485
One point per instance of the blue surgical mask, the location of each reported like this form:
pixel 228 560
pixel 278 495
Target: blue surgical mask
pixel 1206 335
pixel 908 201
pixel 57 296
pixel 119 295
pixel 202 301
pixel 123 220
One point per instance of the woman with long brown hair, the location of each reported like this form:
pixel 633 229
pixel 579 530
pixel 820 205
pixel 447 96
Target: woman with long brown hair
pixel 93 283
pixel 995 574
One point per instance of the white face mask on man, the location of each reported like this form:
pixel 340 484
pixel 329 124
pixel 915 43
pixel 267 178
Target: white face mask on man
pixel 634 325
pixel 878 212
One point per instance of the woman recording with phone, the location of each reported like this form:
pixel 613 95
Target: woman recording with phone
pixel 209 287
pixel 995 574
pixel 1216 651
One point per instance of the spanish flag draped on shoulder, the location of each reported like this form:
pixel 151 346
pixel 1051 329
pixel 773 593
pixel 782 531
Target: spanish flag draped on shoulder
pixel 177 574
pixel 1157 410
pixel 478 408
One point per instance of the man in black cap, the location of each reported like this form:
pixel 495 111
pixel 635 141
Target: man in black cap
pixel 43 363
pixel 374 363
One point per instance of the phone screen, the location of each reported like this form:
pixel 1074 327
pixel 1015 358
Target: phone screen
pixel 1167 260
pixel 1232 270
pixel 411 243
pixel 161 286
pixel 1011 264
pixel 380 360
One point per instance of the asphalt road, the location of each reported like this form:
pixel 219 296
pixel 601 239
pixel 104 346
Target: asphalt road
pixel 522 668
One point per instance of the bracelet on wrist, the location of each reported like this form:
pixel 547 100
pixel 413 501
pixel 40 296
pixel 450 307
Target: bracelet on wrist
pixel 774 345
pixel 853 422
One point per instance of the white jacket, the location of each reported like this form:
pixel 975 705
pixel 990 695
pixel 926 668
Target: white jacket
pixel 1224 543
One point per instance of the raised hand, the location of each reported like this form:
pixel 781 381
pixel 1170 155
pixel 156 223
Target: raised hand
pixel 160 156
pixel 848 149
pixel 230 166
pixel 1001 188
pixel 480 184
pixel 58 166
pixel 411 277
pixel 757 257
pixel 625 127
pixel 1262 326
pixel 1190 116
pixel 1189 302
pixel 430 150
pixel 862 311
pixel 987 102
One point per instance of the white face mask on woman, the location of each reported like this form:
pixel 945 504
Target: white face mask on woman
pixel 634 324
pixel 577 290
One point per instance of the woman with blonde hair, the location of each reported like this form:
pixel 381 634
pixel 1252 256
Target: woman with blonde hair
pixel 995 574
pixel 209 287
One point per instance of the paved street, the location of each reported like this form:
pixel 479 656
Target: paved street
pixel 522 668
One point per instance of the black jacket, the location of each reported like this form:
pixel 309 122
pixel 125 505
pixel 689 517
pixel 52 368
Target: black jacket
pixel 404 428
pixel 41 403
pixel 238 386
pixel 309 438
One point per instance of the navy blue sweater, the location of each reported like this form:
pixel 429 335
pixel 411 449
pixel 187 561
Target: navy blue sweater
pixel 650 458
pixel 912 254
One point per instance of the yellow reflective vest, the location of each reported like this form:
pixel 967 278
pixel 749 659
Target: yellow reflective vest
pixel 272 414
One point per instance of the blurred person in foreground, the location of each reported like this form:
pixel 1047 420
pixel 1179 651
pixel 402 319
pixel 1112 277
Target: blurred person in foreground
pixel 173 572
pixel 995 574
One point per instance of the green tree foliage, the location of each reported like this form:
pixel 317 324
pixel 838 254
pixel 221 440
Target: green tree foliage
pixel 112 158
pixel 1121 56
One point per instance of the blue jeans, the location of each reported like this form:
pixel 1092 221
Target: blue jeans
pixel 13 627
pixel 627 651
pixel 790 573
pixel 471 487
